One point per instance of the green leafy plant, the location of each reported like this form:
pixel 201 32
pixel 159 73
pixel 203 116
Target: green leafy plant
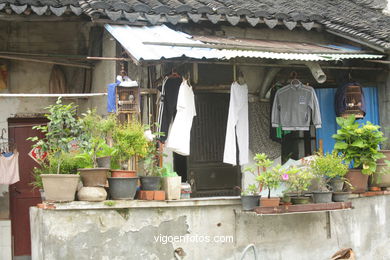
pixel 63 129
pixel 251 190
pixel 298 180
pixel 326 167
pixel 359 144
pixel 384 171
pixel 167 171
pixel 68 163
pixel 151 159
pixel 269 178
pixel 97 130
pixel 129 140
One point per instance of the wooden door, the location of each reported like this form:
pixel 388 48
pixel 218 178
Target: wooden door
pixel 22 194
pixel 207 173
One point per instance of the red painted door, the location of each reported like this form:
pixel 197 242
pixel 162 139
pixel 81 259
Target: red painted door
pixel 22 194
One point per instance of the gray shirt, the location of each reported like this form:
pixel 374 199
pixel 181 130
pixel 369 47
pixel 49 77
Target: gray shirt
pixel 294 107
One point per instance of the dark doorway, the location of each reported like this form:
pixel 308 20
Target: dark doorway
pixel 22 194
pixel 206 172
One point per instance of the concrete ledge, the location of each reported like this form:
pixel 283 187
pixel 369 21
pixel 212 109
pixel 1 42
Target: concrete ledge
pixel 120 204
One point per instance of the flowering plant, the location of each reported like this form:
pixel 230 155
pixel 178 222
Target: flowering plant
pixel 150 160
pixel 299 179
pixel 359 144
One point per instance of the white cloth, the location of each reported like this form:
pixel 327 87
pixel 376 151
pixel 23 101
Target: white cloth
pixel 180 133
pixel 9 169
pixel 237 123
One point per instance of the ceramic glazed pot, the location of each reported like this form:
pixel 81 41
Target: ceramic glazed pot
pixel 60 187
pixel 122 188
pixel 270 202
pixel 250 202
pixel 151 183
pixel 322 196
pixel 358 180
pixel 94 177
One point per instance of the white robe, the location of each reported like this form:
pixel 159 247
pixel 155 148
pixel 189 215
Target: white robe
pixel 180 133
pixel 237 123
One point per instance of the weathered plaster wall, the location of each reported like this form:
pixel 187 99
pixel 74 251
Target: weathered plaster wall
pixel 130 233
pixel 55 38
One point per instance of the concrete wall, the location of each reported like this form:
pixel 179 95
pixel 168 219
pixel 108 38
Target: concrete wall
pixel 131 233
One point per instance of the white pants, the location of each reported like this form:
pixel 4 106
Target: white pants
pixel 237 124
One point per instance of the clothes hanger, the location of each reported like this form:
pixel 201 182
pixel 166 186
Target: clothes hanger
pixel 295 82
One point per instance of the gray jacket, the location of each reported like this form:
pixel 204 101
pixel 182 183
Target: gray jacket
pixel 294 107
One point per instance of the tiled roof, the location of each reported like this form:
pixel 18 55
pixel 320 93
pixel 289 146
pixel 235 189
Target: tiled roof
pixel 360 19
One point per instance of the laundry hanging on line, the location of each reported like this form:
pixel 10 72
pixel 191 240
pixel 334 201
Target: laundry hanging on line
pixel 180 132
pixel 9 168
pixel 237 125
pixel 294 107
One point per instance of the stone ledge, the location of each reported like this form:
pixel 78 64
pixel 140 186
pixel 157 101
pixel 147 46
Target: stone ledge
pixel 120 204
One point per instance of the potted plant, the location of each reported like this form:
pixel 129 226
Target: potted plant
pixel 129 143
pixel 268 179
pixel 171 182
pixel 328 169
pixel 62 133
pixel 298 181
pixel 250 197
pixel 96 151
pixel 381 178
pixel 359 146
pixel 151 175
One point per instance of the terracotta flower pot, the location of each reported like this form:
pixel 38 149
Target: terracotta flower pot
pixel 60 187
pixel 94 177
pixel 123 174
pixel 269 202
pixel 358 181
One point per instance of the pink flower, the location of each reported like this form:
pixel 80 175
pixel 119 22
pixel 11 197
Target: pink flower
pixel 285 177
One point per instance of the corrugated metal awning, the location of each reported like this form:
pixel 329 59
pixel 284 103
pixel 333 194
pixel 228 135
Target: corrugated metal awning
pixel 160 42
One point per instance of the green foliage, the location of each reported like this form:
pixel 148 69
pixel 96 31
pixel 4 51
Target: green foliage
pixel 129 140
pixel 384 171
pixel 251 190
pixel 269 178
pixel 330 165
pixel 110 203
pixel 97 130
pixel 68 163
pixel 61 131
pixel 299 180
pixel 359 144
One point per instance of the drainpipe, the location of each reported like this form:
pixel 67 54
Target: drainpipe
pixel 270 75
pixel 316 70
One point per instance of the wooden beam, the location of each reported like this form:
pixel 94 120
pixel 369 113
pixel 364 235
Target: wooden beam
pixel 29 59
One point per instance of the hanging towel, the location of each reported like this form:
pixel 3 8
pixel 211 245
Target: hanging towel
pixel 9 169
pixel 180 133
pixel 111 96
pixel 237 124
pixel 259 125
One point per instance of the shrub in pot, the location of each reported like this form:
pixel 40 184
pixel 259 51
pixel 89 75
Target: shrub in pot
pixel 359 146
pixel 332 167
pixel 298 181
pixel 97 130
pixel 62 132
pixel 381 178
pixel 171 182
pixel 250 197
pixel 268 179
